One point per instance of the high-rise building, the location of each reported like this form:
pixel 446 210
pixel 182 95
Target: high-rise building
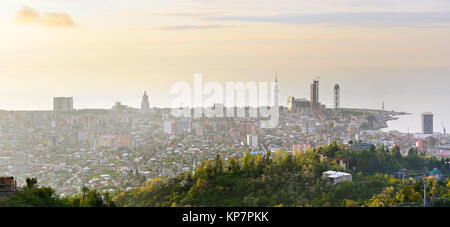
pixel 88 121
pixel 291 103
pixel 252 140
pixel 299 105
pixel 168 127
pixel 302 106
pixel 118 106
pixel 145 104
pixel 183 125
pixel 276 92
pixel 427 123
pixel 248 127
pixel 422 145
pixel 62 104
pixel 315 94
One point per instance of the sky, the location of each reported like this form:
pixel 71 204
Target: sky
pixel 112 50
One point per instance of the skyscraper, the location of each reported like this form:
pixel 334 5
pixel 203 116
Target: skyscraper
pixel 302 106
pixel 275 95
pixel 145 105
pixel 315 94
pixel 88 122
pixel 291 103
pixel 252 140
pixel 62 104
pixel 427 123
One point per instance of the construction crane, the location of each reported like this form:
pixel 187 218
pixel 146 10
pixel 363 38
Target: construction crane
pixel 319 77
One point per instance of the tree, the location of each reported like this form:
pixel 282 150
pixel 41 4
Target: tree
pixel 351 203
pixel 412 152
pixel 268 157
pixel 396 152
pixel 92 199
pixel 287 162
pixel 218 164
pixel 247 163
pixel 31 182
pixel 108 200
pixel 259 164
pixel 234 165
pixel 271 181
pixel 408 194
pixel 384 199
pixel 33 196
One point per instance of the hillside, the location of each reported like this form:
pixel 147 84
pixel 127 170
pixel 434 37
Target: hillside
pixel 282 179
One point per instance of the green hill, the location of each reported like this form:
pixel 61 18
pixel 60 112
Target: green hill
pixel 283 179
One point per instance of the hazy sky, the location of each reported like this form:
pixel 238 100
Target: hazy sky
pixel 99 51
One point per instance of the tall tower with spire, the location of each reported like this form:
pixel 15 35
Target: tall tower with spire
pixel 145 104
pixel 276 91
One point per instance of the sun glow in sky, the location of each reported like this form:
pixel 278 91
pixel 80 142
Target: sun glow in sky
pixel 106 50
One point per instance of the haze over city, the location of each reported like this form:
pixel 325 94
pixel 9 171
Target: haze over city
pixel 209 105
pixel 105 51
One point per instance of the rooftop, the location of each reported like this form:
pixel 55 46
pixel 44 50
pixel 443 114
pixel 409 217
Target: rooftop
pixel 335 174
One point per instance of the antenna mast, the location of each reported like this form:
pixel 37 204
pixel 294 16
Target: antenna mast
pixel 337 97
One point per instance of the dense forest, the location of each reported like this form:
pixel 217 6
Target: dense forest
pixel 278 179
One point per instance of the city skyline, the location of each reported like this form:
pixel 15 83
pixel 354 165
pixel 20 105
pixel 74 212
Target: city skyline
pixel 224 103
pixel 145 99
pixel 113 50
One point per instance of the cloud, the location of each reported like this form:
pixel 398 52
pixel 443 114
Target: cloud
pixel 330 6
pixel 393 19
pixel 190 27
pixel 27 15
pixel 175 13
